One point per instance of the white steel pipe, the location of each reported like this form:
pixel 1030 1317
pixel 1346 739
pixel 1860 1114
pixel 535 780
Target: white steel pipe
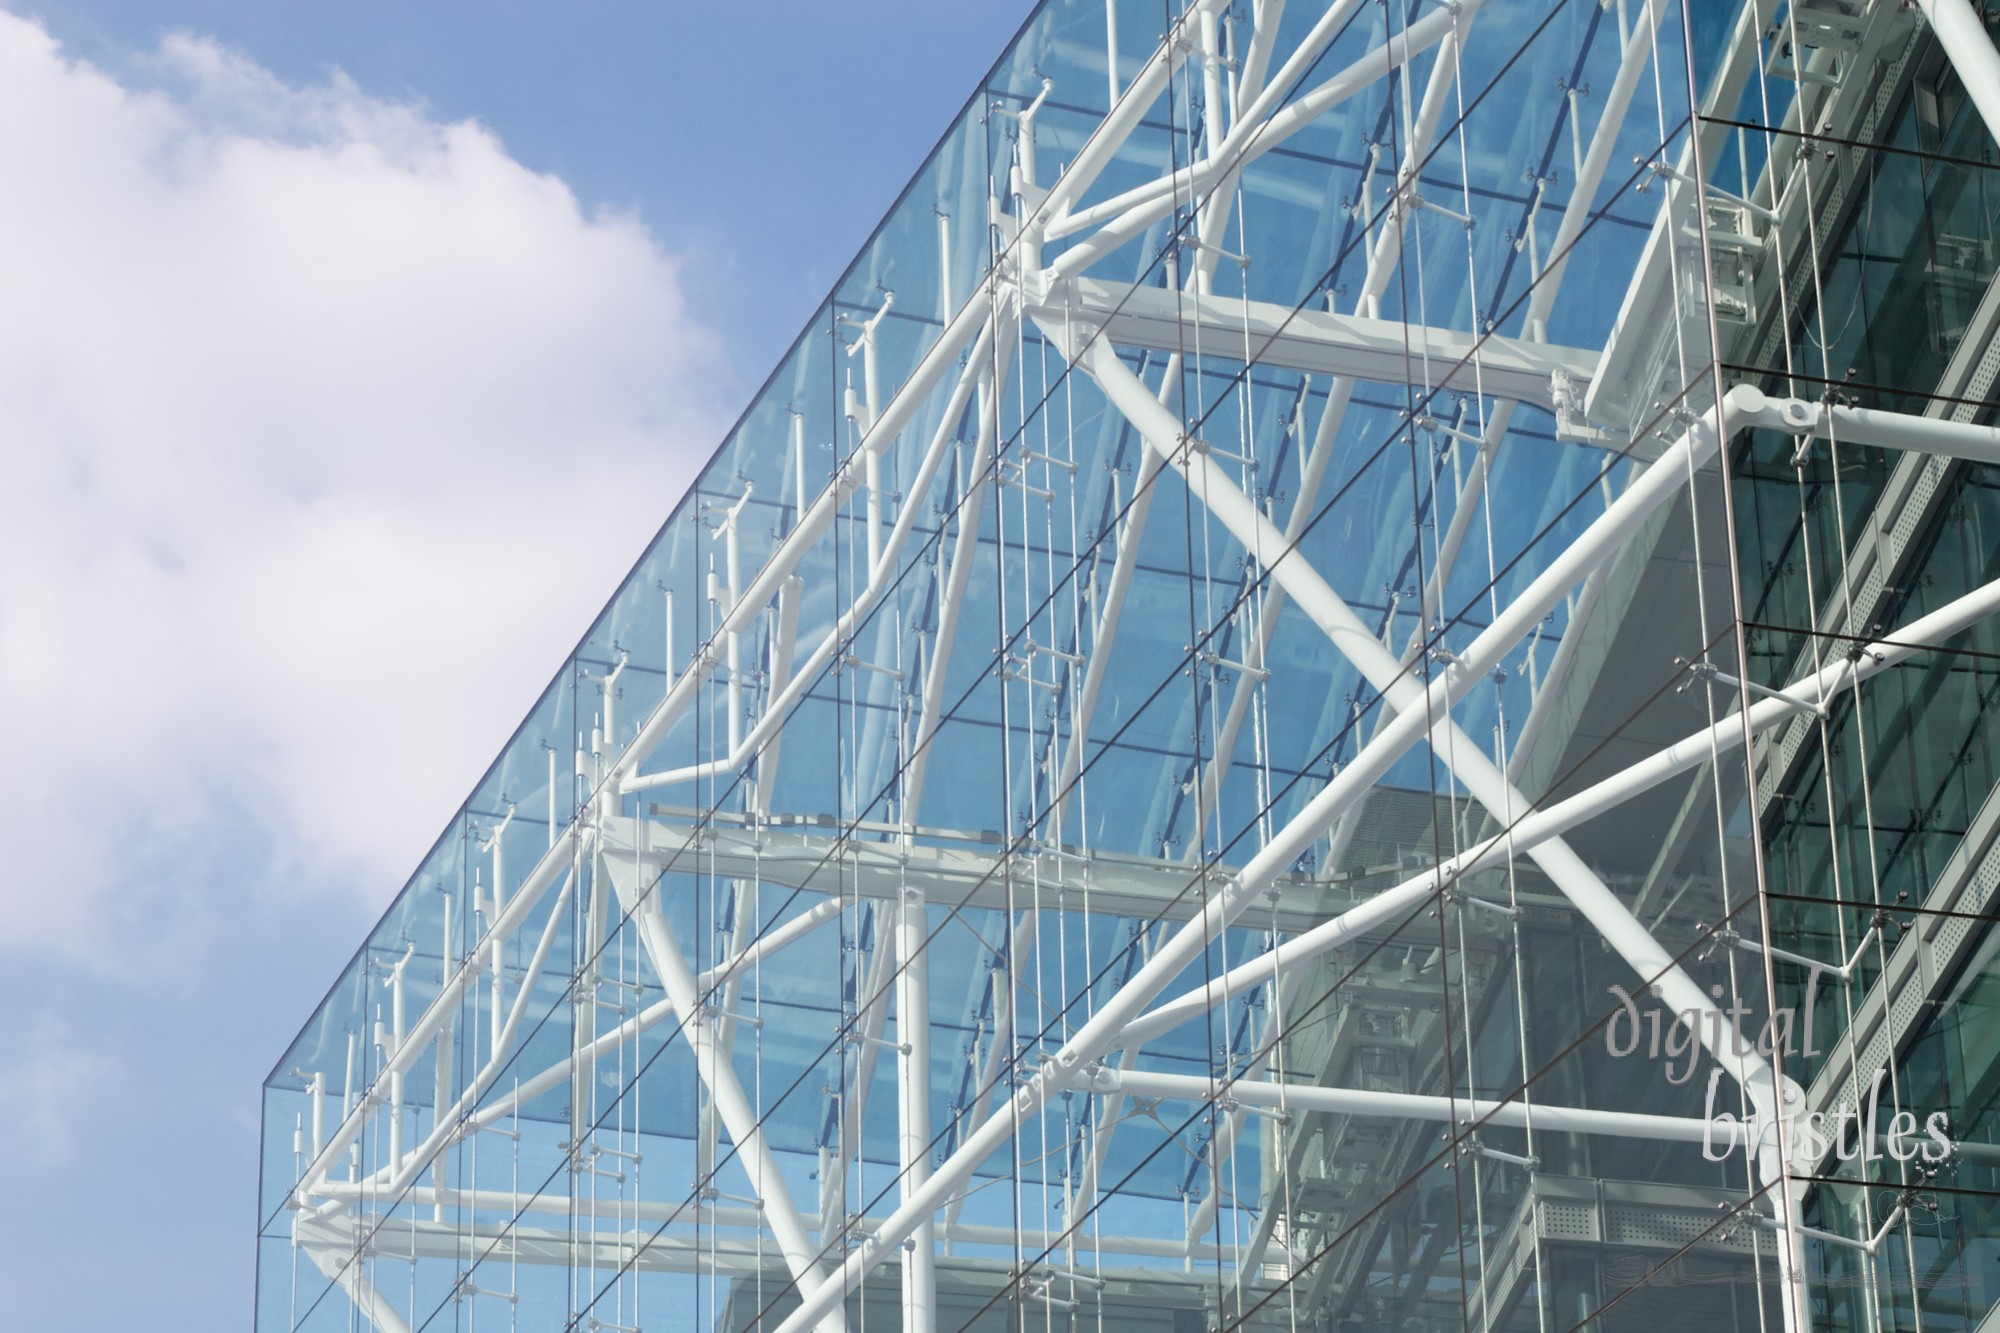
pixel 521 1201
pixel 771 941
pixel 1000 1048
pixel 1963 37
pixel 1383 258
pixel 1403 1105
pixel 790 592
pixel 749 603
pixel 1382 261
pixel 1136 401
pixel 1102 147
pixel 698 1214
pixel 1538 826
pixel 1208 39
pixel 1253 139
pixel 441 1010
pixel 1262 103
pixel 1267 16
pixel 578 1068
pixel 778 708
pixel 1884 430
pixel 739 1117
pixel 343 1267
pixel 951 598
pixel 872 1014
pixel 1425 712
pixel 1210 228
pixel 1633 62
pixel 730 969
pixel 913 1077
pixel 398 1174
pixel 1651 488
pixel 1009 1238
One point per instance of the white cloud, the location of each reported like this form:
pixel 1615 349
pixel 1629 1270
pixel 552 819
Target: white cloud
pixel 325 428
pixel 46 1071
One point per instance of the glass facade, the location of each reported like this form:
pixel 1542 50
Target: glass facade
pixel 1342 685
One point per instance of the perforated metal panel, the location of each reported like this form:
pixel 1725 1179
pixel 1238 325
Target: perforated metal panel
pixel 1670 1229
pixel 1568 1221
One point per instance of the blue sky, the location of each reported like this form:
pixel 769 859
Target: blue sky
pixel 348 355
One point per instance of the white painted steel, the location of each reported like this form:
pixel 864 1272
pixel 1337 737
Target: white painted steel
pixel 1405 1106
pixel 738 1115
pixel 1535 826
pixel 970 324
pixel 1088 318
pixel 913 1081
pixel 1970 50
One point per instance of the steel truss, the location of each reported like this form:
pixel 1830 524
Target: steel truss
pixel 1046 285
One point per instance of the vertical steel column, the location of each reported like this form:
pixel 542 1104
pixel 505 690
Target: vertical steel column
pixel 871 1012
pixel 1000 1048
pixel 913 1076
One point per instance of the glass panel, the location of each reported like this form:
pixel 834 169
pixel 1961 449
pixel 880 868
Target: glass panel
pixel 1250 726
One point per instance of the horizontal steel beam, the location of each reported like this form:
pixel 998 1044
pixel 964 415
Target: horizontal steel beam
pixel 970 870
pixel 690 1245
pixel 1384 351
pixel 644 1247
pixel 1405 1106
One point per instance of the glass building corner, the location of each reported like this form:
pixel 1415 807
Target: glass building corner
pixel 1343 685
